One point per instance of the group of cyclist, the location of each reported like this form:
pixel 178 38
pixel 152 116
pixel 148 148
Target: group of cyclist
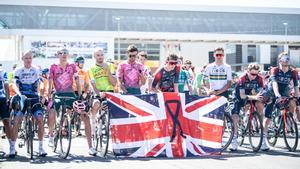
pixel 134 77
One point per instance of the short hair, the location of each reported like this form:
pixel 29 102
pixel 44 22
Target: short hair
pixel 143 54
pixel 97 50
pixel 188 62
pixel 172 57
pixel 132 48
pixel 26 53
pixel 254 66
pixel 219 49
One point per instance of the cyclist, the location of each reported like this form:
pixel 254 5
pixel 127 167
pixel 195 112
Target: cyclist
pixel 249 87
pixel 101 81
pixel 4 97
pixel 85 86
pixel 166 78
pixel 131 73
pixel 26 81
pixel 218 74
pixel 61 78
pixel 280 79
pixel 142 56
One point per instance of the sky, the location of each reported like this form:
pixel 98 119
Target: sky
pixel 243 3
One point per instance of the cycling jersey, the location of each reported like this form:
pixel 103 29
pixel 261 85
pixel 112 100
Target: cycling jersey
pixel 84 81
pixel 3 80
pixel 129 73
pixel 251 87
pixel 45 87
pixel 283 80
pixel 218 75
pixel 184 78
pixel 99 77
pixel 63 78
pixel 27 79
pixel 166 79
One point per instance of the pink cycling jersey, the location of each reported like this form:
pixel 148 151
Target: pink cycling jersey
pixel 63 79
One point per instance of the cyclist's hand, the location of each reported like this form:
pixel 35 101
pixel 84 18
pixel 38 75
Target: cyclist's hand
pixel 84 95
pixel 102 95
pixel 259 97
pixel 212 92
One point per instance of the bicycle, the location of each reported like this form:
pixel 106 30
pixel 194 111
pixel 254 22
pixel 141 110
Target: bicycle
pixel 27 128
pixel 282 124
pixel 101 135
pixel 63 128
pixel 250 124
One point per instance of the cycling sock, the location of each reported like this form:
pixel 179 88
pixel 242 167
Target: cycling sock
pixel 93 124
pixel 40 144
pixel 13 143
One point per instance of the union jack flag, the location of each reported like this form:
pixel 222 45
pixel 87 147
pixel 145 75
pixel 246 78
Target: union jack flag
pixel 166 124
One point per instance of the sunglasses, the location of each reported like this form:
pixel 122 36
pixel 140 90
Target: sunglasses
pixel 172 63
pixel 253 74
pixel 219 55
pixel 132 56
pixel 62 53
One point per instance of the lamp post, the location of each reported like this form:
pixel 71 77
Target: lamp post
pixel 286 25
pixel 119 53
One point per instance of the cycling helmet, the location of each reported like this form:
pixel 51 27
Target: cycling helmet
pixel 79 59
pixel 17 103
pixel 79 106
pixel 45 71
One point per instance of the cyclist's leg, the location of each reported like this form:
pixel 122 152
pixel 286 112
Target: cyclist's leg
pixel 268 114
pixel 292 106
pixel 37 112
pixel 52 118
pixel 17 120
pixel 235 115
pixel 260 108
pixel 87 127
pixel 94 110
pixel 4 115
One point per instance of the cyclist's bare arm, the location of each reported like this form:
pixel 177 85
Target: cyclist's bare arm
pixel 78 85
pixel 276 89
pixel 50 85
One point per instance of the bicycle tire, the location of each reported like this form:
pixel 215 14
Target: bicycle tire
pixel 228 124
pixel 258 128
pixel 290 127
pixel 65 139
pixel 103 134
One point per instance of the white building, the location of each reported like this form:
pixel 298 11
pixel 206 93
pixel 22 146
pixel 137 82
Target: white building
pixel 249 34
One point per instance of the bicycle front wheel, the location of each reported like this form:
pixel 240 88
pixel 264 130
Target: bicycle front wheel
pixel 255 127
pixel 103 134
pixel 30 135
pixel 65 135
pixel 228 129
pixel 290 132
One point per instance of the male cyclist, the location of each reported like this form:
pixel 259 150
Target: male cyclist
pixel 278 87
pixel 249 87
pixel 27 79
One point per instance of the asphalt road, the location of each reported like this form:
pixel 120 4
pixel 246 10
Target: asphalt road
pixel 276 158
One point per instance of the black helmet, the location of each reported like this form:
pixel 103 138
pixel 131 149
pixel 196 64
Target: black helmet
pixel 45 71
pixel 16 103
pixel 79 59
